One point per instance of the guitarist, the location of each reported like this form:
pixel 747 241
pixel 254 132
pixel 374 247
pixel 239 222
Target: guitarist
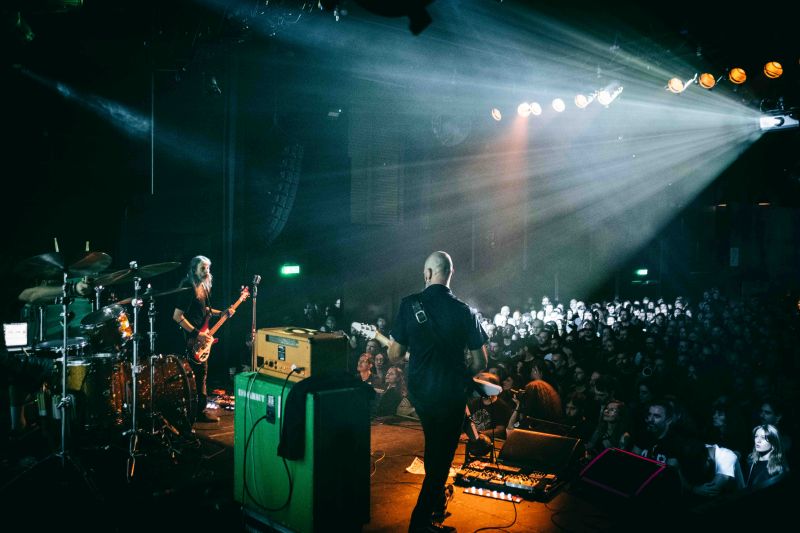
pixel 191 314
pixel 437 328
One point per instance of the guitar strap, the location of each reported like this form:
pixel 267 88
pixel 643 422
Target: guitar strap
pixel 427 322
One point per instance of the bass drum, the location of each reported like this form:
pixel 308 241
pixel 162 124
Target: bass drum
pixel 173 395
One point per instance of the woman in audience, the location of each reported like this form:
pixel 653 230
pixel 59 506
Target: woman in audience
pixel 393 394
pixel 766 463
pixel 575 416
pixel 540 401
pixel 379 370
pixel 612 430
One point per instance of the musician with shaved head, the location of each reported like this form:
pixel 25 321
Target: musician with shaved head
pixel 447 349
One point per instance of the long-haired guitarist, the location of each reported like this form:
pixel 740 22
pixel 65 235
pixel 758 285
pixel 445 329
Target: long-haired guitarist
pixel 192 314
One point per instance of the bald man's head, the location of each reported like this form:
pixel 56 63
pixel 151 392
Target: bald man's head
pixel 438 269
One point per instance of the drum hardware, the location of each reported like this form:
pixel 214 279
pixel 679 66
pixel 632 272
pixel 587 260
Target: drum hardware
pixel 63 403
pixel 136 303
pixel 135 370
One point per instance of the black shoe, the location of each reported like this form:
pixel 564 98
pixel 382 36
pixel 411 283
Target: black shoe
pixel 204 417
pixel 439 516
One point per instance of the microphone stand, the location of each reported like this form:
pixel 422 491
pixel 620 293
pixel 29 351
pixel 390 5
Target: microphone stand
pixel 254 294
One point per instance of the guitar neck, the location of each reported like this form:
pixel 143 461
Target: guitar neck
pixel 224 317
pixel 382 339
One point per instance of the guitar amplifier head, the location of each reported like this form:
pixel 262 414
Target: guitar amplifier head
pixel 278 349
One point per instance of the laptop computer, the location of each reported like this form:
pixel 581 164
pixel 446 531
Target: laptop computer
pixel 15 335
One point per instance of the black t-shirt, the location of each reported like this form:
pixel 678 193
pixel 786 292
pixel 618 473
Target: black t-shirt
pixel 672 446
pixel 438 376
pixel 487 417
pixel 194 309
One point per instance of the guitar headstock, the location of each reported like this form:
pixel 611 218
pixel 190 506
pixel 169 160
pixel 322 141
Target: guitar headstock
pixel 245 293
pixel 365 330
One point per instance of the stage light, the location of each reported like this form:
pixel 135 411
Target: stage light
pixel 609 94
pixel 536 109
pixel 778 122
pixel 524 109
pixel 496 114
pixel 737 75
pixel 581 100
pixel 675 85
pixel 706 80
pixel 559 105
pixel 773 70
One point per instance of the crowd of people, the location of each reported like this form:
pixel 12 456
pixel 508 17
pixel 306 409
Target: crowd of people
pixel 705 386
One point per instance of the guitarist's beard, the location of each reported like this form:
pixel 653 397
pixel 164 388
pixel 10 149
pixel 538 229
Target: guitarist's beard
pixel 206 282
pixel 202 288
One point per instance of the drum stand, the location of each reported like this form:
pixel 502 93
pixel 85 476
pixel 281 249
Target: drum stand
pixel 133 433
pixel 156 416
pixel 136 369
pixel 63 409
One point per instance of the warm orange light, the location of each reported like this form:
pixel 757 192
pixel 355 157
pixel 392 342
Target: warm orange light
pixel 675 85
pixel 706 80
pixel 773 70
pixel 737 75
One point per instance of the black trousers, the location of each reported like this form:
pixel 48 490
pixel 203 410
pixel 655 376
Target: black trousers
pixel 442 428
pixel 200 379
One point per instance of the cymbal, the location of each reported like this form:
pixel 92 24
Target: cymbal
pixel 99 317
pixel 147 271
pixel 52 266
pixel 93 263
pixel 150 293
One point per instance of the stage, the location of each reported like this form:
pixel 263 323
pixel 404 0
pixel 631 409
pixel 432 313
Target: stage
pixel 186 482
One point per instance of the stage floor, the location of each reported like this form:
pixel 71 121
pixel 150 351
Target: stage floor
pixel 190 484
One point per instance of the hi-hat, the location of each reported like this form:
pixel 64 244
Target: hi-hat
pixel 52 266
pixel 143 272
pixel 150 293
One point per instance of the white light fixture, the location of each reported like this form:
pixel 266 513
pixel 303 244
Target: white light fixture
pixel 609 93
pixel 559 105
pixel 677 86
pixel 536 109
pixel 581 100
pixel 524 109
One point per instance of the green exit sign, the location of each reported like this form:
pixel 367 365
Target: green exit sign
pixel 641 272
pixel 289 270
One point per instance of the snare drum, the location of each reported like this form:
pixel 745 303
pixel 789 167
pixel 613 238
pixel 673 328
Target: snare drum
pixel 107 329
pixel 77 347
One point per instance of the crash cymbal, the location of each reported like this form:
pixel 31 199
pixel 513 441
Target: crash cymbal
pixel 150 293
pixel 52 266
pixel 93 263
pixel 147 271
pixel 49 266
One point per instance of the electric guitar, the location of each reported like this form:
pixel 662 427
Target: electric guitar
pixel 370 332
pixel 480 387
pixel 200 347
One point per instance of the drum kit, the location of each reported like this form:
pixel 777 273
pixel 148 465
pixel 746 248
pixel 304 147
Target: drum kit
pixel 101 385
